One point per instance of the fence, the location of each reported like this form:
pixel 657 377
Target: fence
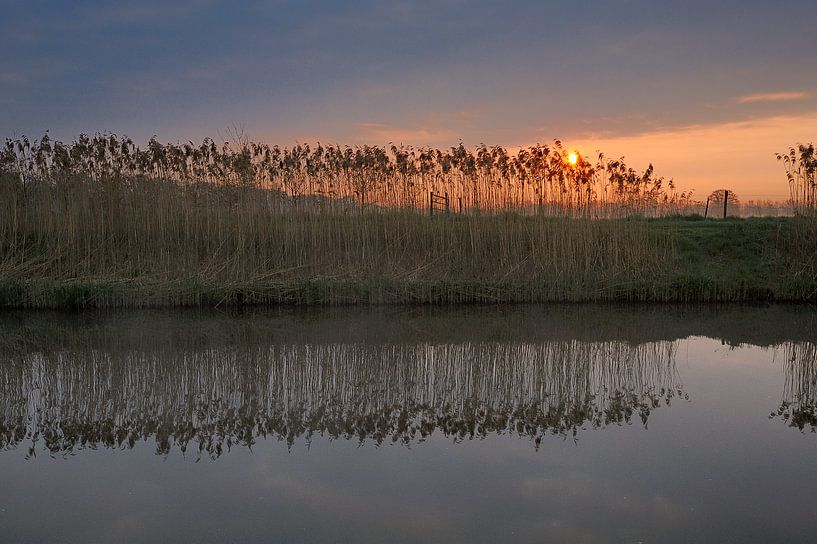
pixel 438 202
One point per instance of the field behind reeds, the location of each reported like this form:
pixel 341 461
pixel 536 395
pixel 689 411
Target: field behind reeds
pixel 77 233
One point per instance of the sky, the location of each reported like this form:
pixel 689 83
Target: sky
pixel 706 91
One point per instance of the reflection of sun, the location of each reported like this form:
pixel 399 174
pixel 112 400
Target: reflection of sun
pixel 572 158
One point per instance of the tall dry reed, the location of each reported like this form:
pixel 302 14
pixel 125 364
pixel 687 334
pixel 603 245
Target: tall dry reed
pixel 801 171
pixel 141 232
pixel 540 178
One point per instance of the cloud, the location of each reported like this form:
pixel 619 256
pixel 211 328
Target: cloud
pixel 771 97
pixel 143 12
pixel 12 77
pixel 381 132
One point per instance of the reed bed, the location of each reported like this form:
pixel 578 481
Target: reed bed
pixel 801 171
pixel 126 241
pixel 544 178
pixel 101 222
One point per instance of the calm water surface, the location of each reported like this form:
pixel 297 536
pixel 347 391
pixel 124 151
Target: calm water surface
pixel 520 424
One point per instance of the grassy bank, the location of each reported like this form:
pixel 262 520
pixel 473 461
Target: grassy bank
pixel 316 259
pixel 170 252
pixel 755 259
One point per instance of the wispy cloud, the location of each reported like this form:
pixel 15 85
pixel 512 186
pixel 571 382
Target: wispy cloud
pixel 381 132
pixel 771 97
pixel 12 77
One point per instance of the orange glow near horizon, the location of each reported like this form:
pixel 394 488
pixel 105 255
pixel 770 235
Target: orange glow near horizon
pixel 734 155
pixel 739 156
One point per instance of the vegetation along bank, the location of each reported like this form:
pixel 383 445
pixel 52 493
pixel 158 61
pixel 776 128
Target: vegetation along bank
pixel 101 223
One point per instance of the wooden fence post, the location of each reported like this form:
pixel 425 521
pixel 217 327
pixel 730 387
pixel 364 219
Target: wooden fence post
pixel 447 207
pixel 706 210
pixel 725 202
pixel 431 204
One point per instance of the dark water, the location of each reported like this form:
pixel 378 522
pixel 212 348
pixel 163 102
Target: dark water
pixel 522 424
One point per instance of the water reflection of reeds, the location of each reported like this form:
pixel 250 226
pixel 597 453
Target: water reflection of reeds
pixel 799 405
pixel 213 399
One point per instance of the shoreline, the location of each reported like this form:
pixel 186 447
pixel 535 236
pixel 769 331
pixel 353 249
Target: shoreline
pixel 122 293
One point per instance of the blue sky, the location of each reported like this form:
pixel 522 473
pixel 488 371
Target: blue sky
pixel 424 73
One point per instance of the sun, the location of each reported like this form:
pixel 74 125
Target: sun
pixel 572 158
